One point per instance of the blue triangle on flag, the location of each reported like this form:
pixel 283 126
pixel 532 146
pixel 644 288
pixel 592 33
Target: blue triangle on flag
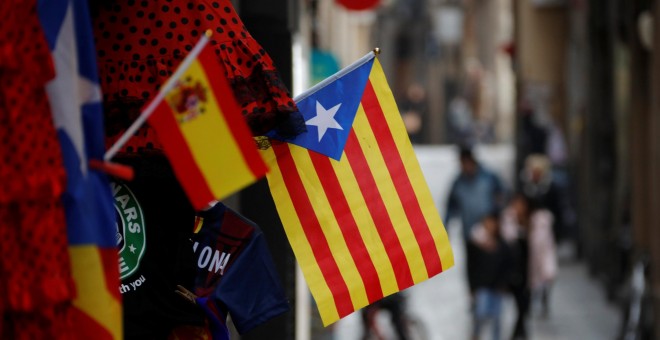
pixel 75 98
pixel 329 112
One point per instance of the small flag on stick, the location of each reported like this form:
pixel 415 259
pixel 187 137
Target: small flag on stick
pixel 200 125
pixel 352 197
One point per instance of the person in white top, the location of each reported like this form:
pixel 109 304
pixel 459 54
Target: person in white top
pixel 542 257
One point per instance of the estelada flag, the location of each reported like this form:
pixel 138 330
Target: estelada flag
pixel 202 130
pixel 364 226
pixel 75 98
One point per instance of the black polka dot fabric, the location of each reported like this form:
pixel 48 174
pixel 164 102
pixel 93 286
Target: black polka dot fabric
pixel 29 149
pixel 140 44
pixel 36 288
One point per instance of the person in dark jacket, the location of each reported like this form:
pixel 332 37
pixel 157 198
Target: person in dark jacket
pixel 475 192
pixel 492 267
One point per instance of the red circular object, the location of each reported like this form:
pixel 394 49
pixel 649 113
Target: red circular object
pixel 358 4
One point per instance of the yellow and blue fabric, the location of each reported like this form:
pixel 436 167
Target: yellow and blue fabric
pixel 75 99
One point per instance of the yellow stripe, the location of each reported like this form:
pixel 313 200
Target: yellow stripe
pixel 388 192
pixel 365 224
pixel 299 243
pixel 93 297
pixel 330 226
pixel 429 210
pixel 199 222
pixel 212 145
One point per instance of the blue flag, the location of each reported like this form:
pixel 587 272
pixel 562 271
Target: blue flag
pixel 75 99
pixel 329 112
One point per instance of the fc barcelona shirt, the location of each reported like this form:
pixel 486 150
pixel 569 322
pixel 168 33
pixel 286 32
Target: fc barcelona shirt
pixel 235 272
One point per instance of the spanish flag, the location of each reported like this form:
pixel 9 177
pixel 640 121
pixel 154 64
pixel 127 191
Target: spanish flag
pixel 200 125
pixel 364 226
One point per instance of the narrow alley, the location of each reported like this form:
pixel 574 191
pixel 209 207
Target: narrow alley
pixel 579 309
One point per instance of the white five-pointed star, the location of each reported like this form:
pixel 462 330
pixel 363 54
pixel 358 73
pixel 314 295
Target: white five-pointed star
pixel 68 91
pixel 325 119
pixel 132 248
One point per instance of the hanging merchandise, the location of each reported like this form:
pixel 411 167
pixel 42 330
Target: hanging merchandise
pixel 155 253
pixel 139 46
pixel 362 225
pixel 225 262
pixel 75 98
pixel 35 275
pixel 208 142
pixel 140 43
pixel 235 273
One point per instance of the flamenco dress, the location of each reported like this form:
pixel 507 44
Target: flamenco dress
pixel 36 288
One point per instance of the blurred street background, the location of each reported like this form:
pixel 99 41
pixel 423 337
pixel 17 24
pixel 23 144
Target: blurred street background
pixel 580 309
pixel 575 81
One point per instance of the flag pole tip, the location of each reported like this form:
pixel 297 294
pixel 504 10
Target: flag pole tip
pixel 377 50
pixel 208 33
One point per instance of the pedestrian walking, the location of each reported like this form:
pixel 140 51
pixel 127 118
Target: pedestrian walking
pixel 542 189
pixel 527 227
pixel 492 269
pixel 542 257
pixel 514 232
pixel 395 305
pixel 475 192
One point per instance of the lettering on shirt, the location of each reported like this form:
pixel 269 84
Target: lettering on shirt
pixel 211 259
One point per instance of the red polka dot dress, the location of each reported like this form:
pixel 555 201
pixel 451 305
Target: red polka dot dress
pixel 35 276
pixel 140 44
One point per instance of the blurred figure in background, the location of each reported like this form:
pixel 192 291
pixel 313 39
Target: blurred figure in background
pixel 541 188
pixel 395 305
pixel 542 256
pixel 475 192
pixel 413 112
pixel 493 265
pixel 514 231
pixel 527 227
pixel 459 116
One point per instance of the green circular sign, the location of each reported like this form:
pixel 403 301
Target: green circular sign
pixel 131 238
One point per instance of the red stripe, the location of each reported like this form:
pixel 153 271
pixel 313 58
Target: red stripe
pixel 376 205
pixel 232 112
pixel 109 259
pixel 312 229
pixel 180 157
pixel 348 226
pixel 401 180
pixel 86 327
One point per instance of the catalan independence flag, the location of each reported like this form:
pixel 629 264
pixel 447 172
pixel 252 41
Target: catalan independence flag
pixel 75 99
pixel 200 125
pixel 364 226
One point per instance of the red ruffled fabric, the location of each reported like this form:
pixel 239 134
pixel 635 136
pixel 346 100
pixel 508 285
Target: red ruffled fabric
pixel 37 288
pixel 31 159
pixel 140 44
